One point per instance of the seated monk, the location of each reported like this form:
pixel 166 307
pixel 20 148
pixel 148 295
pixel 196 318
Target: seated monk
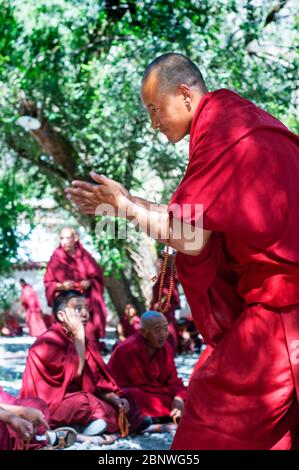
pixel 11 325
pixel 67 371
pixel 143 366
pixel 174 304
pixel 21 420
pixel 129 323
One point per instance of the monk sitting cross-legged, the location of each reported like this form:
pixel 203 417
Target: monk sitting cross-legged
pixel 143 366
pixel 67 371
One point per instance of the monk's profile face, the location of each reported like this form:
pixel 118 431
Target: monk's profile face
pixel 68 240
pixel 156 332
pixel 77 306
pixel 168 110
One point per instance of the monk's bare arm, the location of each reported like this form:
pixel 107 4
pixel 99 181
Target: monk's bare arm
pixel 79 343
pixel 153 219
pixel 74 326
pixel 35 416
pixel 110 197
pixel 147 204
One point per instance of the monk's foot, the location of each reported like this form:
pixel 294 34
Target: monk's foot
pixel 98 426
pixel 140 424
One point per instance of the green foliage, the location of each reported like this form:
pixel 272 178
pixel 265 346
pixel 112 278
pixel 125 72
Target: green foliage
pixel 12 212
pixel 8 294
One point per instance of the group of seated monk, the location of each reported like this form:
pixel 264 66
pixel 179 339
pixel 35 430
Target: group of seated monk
pixel 67 380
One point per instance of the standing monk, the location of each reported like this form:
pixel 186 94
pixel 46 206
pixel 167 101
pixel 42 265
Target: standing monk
pixel 72 267
pixel 240 273
pixel 30 302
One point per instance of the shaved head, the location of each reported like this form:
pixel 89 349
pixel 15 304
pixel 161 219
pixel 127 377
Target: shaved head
pixel 68 231
pixel 172 70
pixel 147 319
pixel 154 329
pixel 171 89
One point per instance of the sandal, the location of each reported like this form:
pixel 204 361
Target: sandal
pixel 65 437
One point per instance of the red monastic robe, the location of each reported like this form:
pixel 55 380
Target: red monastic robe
pixel 65 267
pixel 5 441
pixel 243 289
pixel 51 374
pixel 8 438
pixel 151 382
pixel 12 326
pixel 174 305
pixel 34 319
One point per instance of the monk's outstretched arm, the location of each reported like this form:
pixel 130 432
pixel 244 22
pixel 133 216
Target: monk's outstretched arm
pixel 111 198
pixel 154 220
pixel 35 416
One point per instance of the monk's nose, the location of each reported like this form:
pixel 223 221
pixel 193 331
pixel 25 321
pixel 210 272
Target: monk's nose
pixel 155 122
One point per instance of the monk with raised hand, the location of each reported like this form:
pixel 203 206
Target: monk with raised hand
pixel 143 367
pixel 73 267
pixel 67 371
pixel 240 273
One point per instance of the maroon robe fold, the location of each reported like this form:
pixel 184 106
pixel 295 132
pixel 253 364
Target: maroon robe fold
pixel 51 374
pixel 5 441
pixel 243 288
pixel 173 336
pixel 65 267
pixel 9 439
pixel 34 318
pixel 151 382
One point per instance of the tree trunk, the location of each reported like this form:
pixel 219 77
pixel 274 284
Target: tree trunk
pixel 120 294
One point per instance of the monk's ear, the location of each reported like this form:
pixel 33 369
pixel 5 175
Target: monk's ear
pixel 60 315
pixel 185 93
pixel 143 332
pixel 76 236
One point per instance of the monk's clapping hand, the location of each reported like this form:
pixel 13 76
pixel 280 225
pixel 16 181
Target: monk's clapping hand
pixel 105 192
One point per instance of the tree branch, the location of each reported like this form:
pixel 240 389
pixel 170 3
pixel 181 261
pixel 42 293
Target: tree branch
pixel 272 15
pixel 52 143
